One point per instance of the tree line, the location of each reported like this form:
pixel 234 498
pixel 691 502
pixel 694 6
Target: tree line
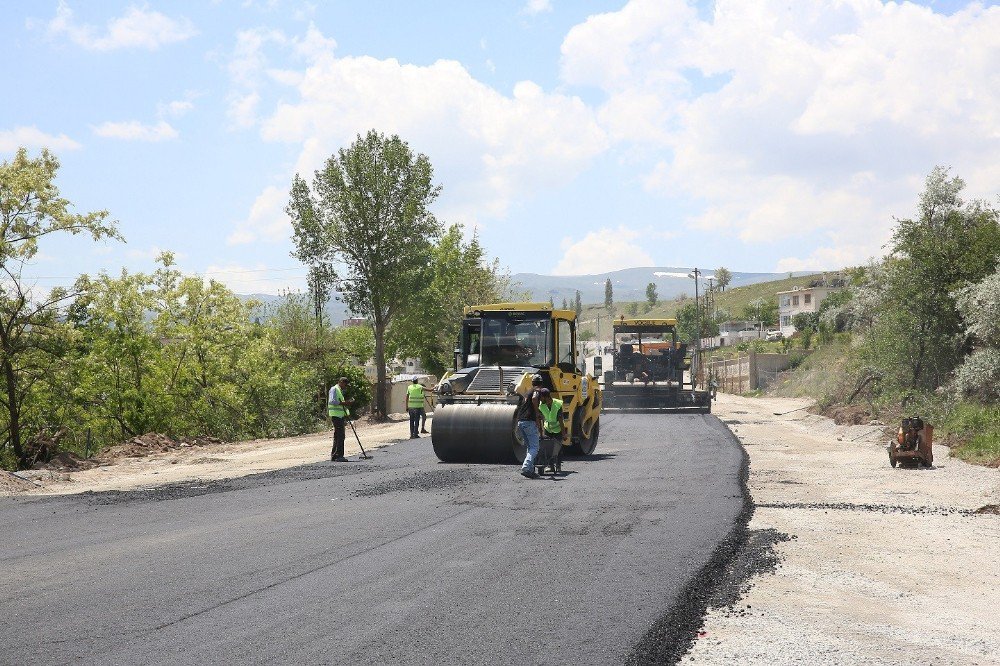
pixel 115 356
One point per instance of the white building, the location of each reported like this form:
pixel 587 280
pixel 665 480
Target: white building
pixel 799 299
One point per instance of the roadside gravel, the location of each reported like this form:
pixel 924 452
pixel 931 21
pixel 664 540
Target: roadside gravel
pixel 201 463
pixel 873 565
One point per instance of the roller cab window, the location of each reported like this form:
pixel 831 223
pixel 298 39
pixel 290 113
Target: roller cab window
pixel 517 340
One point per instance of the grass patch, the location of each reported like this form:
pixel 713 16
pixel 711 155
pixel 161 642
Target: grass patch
pixel 973 433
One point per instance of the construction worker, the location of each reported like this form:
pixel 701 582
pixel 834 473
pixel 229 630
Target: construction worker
pixel 415 406
pixel 529 424
pixel 337 408
pixel 552 427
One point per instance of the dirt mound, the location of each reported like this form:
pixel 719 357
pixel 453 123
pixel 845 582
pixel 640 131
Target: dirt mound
pixel 151 443
pixel 66 461
pixel 10 483
pixel 846 414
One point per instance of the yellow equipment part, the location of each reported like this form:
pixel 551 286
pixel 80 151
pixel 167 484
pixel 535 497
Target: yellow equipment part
pixel 475 418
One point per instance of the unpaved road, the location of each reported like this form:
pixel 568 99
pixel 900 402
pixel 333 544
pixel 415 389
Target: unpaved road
pixel 877 565
pixel 399 559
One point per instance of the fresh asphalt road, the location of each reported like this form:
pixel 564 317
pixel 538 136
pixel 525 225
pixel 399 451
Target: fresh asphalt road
pixel 398 559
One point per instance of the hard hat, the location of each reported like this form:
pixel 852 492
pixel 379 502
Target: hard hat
pixel 536 379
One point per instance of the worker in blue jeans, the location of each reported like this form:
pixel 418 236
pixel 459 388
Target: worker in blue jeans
pixel 529 425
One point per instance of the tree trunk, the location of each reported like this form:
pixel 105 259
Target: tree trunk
pixel 381 408
pixel 14 412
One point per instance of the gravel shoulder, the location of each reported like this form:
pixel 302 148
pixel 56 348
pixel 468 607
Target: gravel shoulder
pixel 221 461
pixel 874 565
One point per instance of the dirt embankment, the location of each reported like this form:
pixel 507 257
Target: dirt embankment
pixel 875 565
pixel 155 459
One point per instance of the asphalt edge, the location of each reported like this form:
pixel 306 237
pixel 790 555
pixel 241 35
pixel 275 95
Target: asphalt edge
pixel 673 634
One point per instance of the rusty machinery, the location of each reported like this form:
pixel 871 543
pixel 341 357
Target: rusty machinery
pixel 500 347
pixel 912 446
pixel 648 371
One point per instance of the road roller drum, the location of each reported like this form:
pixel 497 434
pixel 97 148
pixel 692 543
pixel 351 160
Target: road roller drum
pixel 476 434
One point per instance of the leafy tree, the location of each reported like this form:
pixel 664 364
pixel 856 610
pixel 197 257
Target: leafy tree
pixel 368 214
pixel 723 277
pixel 803 321
pixel 979 306
pixel 30 328
pixel 565 304
pixel 687 326
pixel 609 301
pixel 460 276
pixel 916 334
pixel 651 296
pixel 762 311
pixel 632 309
pixel 578 305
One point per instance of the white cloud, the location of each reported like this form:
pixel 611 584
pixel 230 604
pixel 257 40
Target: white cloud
pixel 532 7
pixel 601 251
pixel 814 120
pixel 32 137
pixel 176 108
pixel 133 130
pixel 138 27
pixel 490 148
pixel 267 220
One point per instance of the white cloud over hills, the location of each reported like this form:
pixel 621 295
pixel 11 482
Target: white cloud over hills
pixel 139 27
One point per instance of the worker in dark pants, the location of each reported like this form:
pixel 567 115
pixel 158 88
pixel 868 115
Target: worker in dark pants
pixel 415 406
pixel 552 425
pixel 338 410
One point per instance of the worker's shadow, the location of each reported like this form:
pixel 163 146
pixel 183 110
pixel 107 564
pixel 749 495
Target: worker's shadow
pixel 594 457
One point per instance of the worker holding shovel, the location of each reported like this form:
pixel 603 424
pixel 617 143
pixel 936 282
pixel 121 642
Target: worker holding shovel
pixel 338 410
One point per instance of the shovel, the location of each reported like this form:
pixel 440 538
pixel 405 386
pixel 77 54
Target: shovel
pixel 363 456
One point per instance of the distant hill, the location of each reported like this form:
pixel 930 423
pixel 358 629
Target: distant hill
pixel 628 284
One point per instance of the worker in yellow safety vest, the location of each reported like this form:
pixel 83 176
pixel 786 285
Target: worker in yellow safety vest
pixel 552 427
pixel 337 409
pixel 415 406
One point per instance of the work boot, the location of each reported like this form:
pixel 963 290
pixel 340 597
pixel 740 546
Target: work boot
pixel 550 470
pixel 529 474
pixel 425 432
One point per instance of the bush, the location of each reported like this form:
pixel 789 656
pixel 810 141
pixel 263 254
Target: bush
pixel 979 376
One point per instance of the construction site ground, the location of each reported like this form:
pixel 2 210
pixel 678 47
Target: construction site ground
pixel 874 565
pixel 871 564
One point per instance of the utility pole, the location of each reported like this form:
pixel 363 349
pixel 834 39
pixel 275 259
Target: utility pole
pixel 696 360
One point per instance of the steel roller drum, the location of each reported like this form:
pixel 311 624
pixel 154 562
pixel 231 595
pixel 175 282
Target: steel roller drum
pixel 475 434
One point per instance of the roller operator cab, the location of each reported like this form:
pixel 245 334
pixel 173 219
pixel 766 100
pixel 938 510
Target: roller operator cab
pixel 499 348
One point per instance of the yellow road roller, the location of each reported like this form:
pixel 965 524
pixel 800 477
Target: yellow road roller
pixel 500 347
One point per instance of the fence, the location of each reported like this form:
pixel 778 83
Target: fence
pixel 750 371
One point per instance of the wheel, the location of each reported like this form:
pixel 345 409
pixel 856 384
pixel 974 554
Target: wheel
pixel 586 445
pixel 892 458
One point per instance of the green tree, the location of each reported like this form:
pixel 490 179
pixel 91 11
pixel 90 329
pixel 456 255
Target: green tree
pixel 687 327
pixel 632 309
pixel 565 304
pixel 609 301
pixel 916 336
pixel 762 311
pixel 578 305
pixel 723 277
pixel 30 327
pixel 651 297
pixel 368 214
pixel 460 276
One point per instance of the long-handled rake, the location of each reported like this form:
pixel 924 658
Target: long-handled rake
pixel 363 456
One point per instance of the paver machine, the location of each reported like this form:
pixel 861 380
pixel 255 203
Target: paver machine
pixel 649 366
pixel 500 347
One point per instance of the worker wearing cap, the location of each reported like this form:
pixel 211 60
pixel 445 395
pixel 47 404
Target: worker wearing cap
pixel 415 406
pixel 552 415
pixel 529 425
pixel 337 408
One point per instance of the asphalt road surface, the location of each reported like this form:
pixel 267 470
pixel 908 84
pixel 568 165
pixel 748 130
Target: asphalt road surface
pixel 399 559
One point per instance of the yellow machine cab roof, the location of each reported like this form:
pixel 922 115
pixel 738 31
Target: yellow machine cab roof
pixel 478 310
pixel 645 324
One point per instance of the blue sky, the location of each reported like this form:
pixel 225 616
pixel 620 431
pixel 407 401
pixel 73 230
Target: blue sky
pixel 576 136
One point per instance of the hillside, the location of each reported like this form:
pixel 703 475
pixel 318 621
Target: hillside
pixel 734 299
